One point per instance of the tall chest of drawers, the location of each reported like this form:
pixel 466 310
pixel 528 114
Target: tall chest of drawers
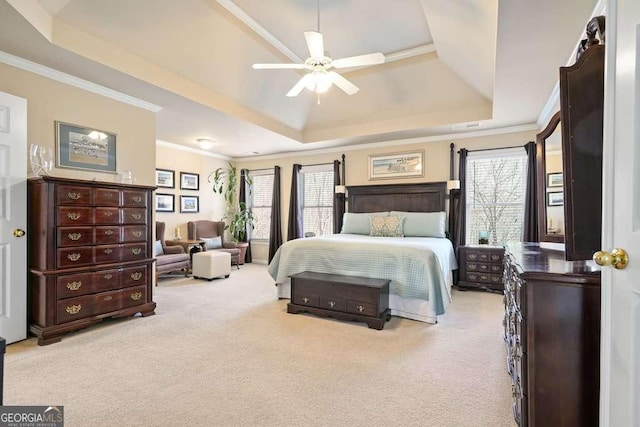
pixel 552 332
pixel 481 267
pixel 90 254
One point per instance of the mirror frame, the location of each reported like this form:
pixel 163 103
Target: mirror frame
pixel 541 181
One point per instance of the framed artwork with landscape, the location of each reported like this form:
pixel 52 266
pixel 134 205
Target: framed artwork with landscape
pixel 555 198
pixel 554 179
pixel 189 181
pixel 81 147
pixel 164 202
pixel 189 204
pixel 165 178
pixel 396 165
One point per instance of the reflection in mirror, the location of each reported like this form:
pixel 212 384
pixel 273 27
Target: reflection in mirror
pixel 550 182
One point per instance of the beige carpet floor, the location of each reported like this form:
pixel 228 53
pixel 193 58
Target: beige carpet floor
pixel 226 353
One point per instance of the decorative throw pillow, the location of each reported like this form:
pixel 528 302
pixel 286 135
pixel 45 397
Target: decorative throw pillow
pixel 386 226
pixel 423 224
pixel 213 243
pixel 157 248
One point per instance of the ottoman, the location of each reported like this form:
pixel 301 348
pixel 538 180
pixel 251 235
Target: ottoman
pixel 210 264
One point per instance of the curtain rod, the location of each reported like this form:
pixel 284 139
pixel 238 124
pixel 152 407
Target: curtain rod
pixel 319 164
pixel 260 170
pixel 496 148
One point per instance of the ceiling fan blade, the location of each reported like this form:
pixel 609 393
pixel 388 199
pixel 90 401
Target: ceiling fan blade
pixel 315 44
pixel 360 60
pixel 343 83
pixel 297 88
pixel 279 66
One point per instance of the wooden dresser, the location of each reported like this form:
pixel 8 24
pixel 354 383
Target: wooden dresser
pixel 90 254
pixel 552 331
pixel 481 267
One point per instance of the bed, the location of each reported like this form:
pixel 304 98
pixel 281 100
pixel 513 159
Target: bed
pixel 420 268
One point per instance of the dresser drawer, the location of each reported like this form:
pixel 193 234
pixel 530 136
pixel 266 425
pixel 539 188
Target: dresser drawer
pixel 305 299
pixel 332 303
pixel 478 277
pixel 133 276
pixel 107 234
pixel 107 197
pixel 75 236
pixel 73 285
pixel 362 308
pixel 134 216
pixel 478 266
pixel 74 195
pixel 106 302
pixel 134 296
pixel 76 215
pixel 106 280
pixel 136 199
pixel 74 257
pixel 134 233
pixel 133 251
pixel 107 215
pixel 72 309
pixel 107 253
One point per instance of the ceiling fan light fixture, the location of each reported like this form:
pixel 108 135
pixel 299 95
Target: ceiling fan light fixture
pixel 205 143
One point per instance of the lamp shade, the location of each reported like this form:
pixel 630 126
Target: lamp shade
pixel 453 184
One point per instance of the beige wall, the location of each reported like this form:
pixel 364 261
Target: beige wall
pixel 436 166
pixel 212 205
pixel 49 100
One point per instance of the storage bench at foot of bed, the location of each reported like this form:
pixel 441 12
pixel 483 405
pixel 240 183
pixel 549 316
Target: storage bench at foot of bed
pixel 341 297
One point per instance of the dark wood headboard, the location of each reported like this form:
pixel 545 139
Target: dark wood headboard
pixel 425 197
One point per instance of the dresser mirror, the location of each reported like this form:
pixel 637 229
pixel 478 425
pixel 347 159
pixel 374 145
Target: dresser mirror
pixel 550 183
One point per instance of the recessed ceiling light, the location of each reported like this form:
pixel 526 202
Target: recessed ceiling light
pixel 252 153
pixel 205 143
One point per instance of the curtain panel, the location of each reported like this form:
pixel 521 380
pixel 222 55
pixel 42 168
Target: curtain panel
pixel 295 230
pixel 242 198
pixel 530 223
pixel 338 199
pixel 461 230
pixel 275 230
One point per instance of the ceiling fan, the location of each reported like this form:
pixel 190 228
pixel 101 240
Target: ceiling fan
pixel 320 76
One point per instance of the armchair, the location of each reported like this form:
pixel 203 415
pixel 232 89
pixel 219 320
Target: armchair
pixel 205 229
pixel 173 257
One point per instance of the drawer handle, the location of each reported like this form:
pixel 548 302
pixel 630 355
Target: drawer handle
pixel 107 276
pixel 332 304
pixel 136 276
pixel 360 308
pixel 108 213
pixel 74 286
pixel 495 257
pixel 108 232
pixel 136 251
pixel 137 233
pixel 108 195
pixel 136 216
pixel 73 309
pixel 305 300
pixel 136 199
pixel 74 195
pixel 136 296
pixel 74 216
pixel 108 298
pixel 473 256
pixel 74 257
pixel 108 251
pixel 75 236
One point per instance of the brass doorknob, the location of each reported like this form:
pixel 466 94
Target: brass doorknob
pixel 18 232
pixel 618 258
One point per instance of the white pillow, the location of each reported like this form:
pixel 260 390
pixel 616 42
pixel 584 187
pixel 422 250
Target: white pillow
pixel 358 223
pixel 423 224
pixel 213 242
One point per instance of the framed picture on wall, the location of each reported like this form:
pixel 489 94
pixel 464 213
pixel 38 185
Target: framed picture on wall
pixel 396 165
pixel 555 198
pixel 189 181
pixel 164 202
pixel 554 179
pixel 81 147
pixel 189 204
pixel 165 178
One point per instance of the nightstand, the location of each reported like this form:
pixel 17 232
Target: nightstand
pixel 481 267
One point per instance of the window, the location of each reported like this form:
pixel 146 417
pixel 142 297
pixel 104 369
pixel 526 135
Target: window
pixel 261 195
pixel 495 195
pixel 317 199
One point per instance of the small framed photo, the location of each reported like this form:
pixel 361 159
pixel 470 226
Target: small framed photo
pixel 164 202
pixel 554 179
pixel 555 198
pixel 165 178
pixel 189 204
pixel 396 165
pixel 80 147
pixel 189 181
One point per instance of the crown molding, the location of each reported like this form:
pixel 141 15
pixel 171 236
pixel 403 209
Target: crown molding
pixel 175 146
pixel 50 73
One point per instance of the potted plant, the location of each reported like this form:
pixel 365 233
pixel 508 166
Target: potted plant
pixel 237 218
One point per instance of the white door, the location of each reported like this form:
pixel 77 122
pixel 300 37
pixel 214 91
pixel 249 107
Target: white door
pixel 620 352
pixel 13 217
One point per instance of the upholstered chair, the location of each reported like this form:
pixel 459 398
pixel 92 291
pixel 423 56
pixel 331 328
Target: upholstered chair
pixel 172 258
pixel 205 229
